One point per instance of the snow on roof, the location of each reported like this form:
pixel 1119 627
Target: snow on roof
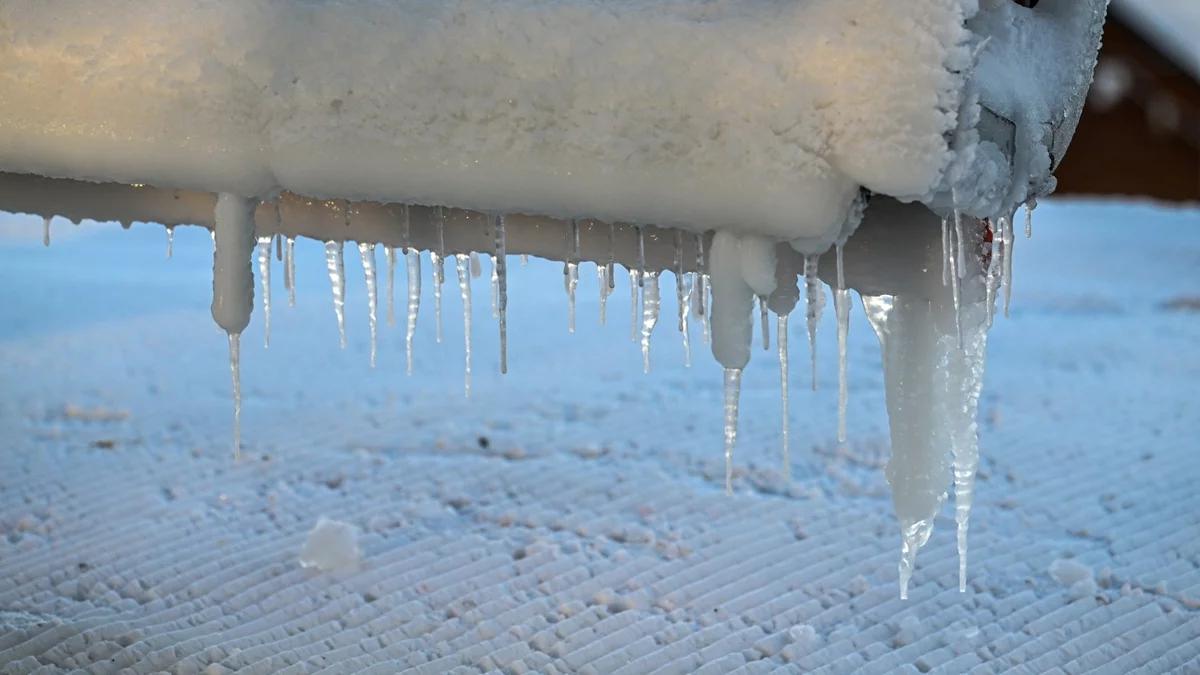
pixel 1172 25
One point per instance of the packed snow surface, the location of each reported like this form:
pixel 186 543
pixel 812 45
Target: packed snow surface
pixel 571 517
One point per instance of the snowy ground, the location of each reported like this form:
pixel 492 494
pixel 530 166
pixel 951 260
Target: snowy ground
pixel 571 517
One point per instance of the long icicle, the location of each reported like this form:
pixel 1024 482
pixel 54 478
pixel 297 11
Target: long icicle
pixel 611 265
pixel 602 283
pixel 495 287
pixel 1007 229
pixel 502 290
pixel 681 299
pixel 438 259
pixel 650 306
pixel 235 371
pixel 413 262
pixel 991 282
pixel 733 390
pixel 289 268
pixel 367 253
pixel 337 281
pixel 955 254
pixel 945 251
pixel 701 289
pixel 463 265
pixel 766 323
pixel 264 273
pixel 1029 207
pixel 815 298
pixel 841 306
pixel 390 254
pixel 781 340
pixel 46 230
pixel 233 285
pixel 571 273
pixel 634 323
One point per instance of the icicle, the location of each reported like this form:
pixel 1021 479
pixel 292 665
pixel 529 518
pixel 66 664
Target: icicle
pixel 278 238
pixel 406 229
pixel 766 323
pixel 524 260
pixel 1007 241
pixel 463 265
pixel 960 248
pixel 571 274
pixel 602 284
pixel 170 241
pixel 337 281
pixel 235 370
pixel 502 290
pixel 912 538
pixel 634 323
pixel 733 387
pixel 438 259
pixel 611 265
pixel 681 299
pixel 390 254
pixel 945 251
pixel 46 231
pixel 956 261
pixel 701 289
pixel 264 273
pixel 992 278
pixel 641 255
pixel 1029 207
pixel 233 284
pixel 841 306
pixel 413 260
pixel 495 287
pixel 706 291
pixel 366 252
pixel 476 269
pixel 650 307
pixel 290 270
pixel 816 302
pixel 781 340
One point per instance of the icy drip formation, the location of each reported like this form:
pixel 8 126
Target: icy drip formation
pixel 781 339
pixel 733 391
pixel 501 272
pixel 233 286
pixel 366 253
pixel 462 264
pixel 289 270
pixel 264 273
pixel 815 294
pixel 437 259
pixel 602 286
pixel 635 323
pixel 390 255
pixel 170 242
pixel 571 273
pixel 651 303
pixel 336 266
pixel 681 299
pixel 413 262
pixel 841 306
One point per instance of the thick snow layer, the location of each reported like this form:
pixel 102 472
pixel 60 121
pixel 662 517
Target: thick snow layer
pixel 763 114
pixel 570 517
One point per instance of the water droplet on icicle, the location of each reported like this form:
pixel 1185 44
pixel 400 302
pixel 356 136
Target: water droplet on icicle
pixel 815 297
pixel 463 265
pixel 337 282
pixel 841 307
pixel 289 267
pixel 46 231
pixel 781 340
pixel 501 270
pixel 733 390
pixel 367 253
pixel 650 307
pixel 170 241
pixel 390 255
pixel 264 273
pixel 412 259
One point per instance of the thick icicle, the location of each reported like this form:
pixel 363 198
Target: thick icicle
pixel 367 253
pixel 781 340
pixel 413 262
pixel 815 297
pixel 634 323
pixel 337 281
pixel 233 284
pixel 650 306
pixel 438 259
pixel 502 290
pixel 571 273
pixel 264 273
pixel 733 390
pixel 766 323
pixel 46 231
pixel 463 264
pixel 1007 242
pixel 289 268
pixel 602 284
pixel 170 241
pixel 390 254
pixel 841 306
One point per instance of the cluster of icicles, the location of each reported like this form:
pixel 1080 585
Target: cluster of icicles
pixel 945 396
